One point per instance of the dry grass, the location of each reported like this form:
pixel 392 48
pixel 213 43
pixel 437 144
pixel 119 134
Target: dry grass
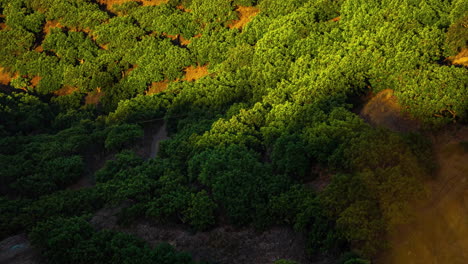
pixel 245 14
pixel 35 81
pixel 183 41
pixel 460 59
pixel 384 110
pixel 94 97
pixel 157 87
pixel 65 90
pixel 5 77
pixel 195 73
pixel 51 24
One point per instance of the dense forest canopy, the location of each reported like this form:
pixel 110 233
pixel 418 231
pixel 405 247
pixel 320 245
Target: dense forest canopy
pixel 259 97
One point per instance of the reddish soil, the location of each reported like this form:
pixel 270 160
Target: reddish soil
pixel 2 26
pixel 438 233
pixel 383 110
pixel 157 87
pixel 245 14
pixel 195 73
pixel 94 97
pixel 65 90
pixel 336 19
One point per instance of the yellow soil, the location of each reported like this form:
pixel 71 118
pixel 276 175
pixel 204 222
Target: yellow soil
pixel 384 110
pixel 5 77
pixel 94 97
pixel 245 14
pixel 439 232
pixel 461 58
pixel 51 24
pixel 65 90
pixel 195 73
pixel 157 87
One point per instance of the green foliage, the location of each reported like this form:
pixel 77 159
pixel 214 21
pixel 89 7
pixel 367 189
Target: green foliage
pixel 200 214
pixel 123 135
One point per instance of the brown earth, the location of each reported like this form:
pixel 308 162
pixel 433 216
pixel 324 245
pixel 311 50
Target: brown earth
pixel 194 73
pixel 5 77
pixel 51 24
pixel 336 19
pixel 2 26
pixel 35 81
pixel 94 97
pixel 245 14
pixel 221 245
pixel 439 231
pixel 460 59
pixel 183 41
pixel 65 90
pixel 157 87
pixel 383 110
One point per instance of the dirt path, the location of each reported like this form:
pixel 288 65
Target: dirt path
pixel 439 232
pixel 157 138
pixel 17 250
pixel 220 245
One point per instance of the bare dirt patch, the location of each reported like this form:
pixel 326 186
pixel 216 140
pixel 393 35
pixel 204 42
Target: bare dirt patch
pixel 336 19
pixel 460 59
pixel 35 81
pixel 5 77
pixel 2 26
pixel 194 73
pixel 65 90
pixel 157 87
pixel 220 245
pixel 383 110
pixel 178 38
pixel 18 250
pixel 439 230
pixel 94 97
pixel 245 14
pixel 51 24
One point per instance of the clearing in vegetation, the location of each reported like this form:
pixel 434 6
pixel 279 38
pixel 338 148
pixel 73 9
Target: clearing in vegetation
pixel 245 14
pixel 94 97
pixel 194 73
pixel 384 110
